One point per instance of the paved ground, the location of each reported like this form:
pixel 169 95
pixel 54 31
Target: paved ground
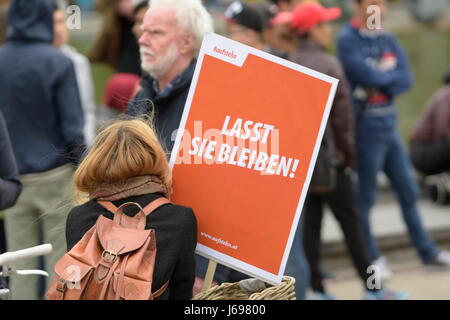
pixel 409 275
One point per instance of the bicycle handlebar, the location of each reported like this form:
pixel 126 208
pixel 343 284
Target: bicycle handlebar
pixel 11 257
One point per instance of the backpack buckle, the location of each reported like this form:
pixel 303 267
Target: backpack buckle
pixel 61 285
pixel 107 254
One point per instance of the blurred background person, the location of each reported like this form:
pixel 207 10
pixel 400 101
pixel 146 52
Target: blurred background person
pixel 286 5
pixel 4 4
pixel 244 24
pixel 378 70
pixel 331 183
pixel 267 11
pixel 138 17
pixel 116 44
pixel 430 140
pixel 279 35
pixel 426 11
pixel 40 101
pixel 430 145
pixel 255 25
pixel 119 90
pixel 82 71
pixel 121 87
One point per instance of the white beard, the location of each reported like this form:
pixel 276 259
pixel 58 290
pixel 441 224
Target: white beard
pixel 161 65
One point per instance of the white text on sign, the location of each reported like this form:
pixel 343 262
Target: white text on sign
pixel 219 148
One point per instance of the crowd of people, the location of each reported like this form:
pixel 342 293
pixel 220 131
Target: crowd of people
pixel 56 143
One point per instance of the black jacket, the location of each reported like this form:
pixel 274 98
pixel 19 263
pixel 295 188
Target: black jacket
pixel 176 238
pixel 168 105
pixel 38 91
pixel 10 185
pixel 312 55
pixel 129 60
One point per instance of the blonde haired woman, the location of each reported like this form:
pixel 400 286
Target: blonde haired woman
pixel 127 164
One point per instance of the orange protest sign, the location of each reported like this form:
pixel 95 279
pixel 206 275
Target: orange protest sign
pixel 245 153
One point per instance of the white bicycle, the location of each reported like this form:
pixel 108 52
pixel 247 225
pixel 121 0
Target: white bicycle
pixel 8 259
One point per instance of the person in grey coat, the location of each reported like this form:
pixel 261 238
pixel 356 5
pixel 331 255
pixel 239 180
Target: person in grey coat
pixel 40 101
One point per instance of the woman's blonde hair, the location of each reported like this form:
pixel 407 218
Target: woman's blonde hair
pixel 124 149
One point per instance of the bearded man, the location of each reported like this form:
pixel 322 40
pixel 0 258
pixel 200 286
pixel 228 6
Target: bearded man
pixel 172 34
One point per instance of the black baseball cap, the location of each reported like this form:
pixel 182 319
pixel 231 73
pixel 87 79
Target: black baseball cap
pixel 244 15
pixel 266 10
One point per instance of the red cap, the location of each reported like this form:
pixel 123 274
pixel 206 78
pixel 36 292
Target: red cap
pixel 282 17
pixel 307 14
pixel 119 90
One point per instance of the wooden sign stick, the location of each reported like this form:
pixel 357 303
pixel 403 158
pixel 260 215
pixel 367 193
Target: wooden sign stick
pixel 209 275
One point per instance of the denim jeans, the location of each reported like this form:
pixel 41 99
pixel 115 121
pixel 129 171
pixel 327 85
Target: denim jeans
pixel 297 265
pixel 385 152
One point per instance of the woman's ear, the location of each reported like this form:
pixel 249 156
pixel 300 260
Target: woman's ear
pixel 187 44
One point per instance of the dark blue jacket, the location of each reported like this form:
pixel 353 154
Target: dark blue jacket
pixel 168 105
pixel 10 185
pixel 38 91
pixel 374 86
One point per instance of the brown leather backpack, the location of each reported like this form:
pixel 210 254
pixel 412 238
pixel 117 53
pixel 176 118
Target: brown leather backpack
pixel 114 259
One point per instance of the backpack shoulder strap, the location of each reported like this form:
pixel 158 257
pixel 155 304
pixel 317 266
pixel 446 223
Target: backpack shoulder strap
pixel 108 205
pixel 161 290
pixel 152 206
pixel 148 209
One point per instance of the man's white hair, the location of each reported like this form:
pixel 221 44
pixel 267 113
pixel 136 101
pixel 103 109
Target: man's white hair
pixel 192 17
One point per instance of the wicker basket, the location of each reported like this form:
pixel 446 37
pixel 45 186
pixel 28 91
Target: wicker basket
pixel 235 291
